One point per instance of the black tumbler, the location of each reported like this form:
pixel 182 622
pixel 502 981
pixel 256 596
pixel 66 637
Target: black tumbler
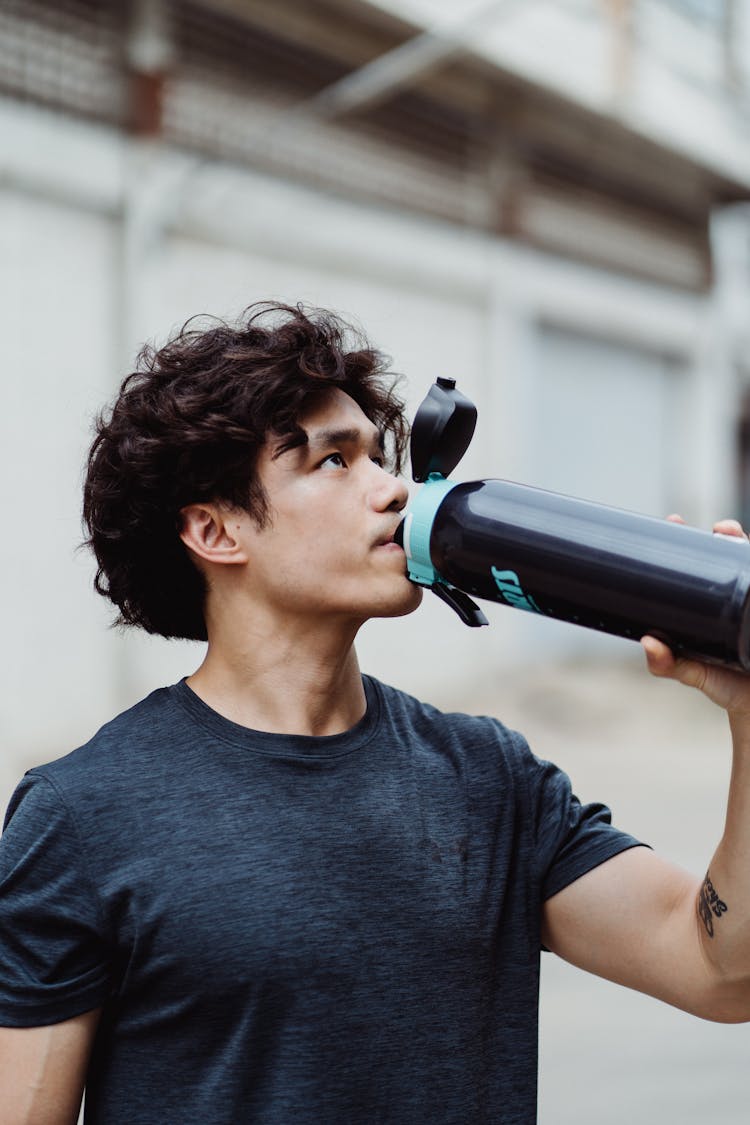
pixel 570 559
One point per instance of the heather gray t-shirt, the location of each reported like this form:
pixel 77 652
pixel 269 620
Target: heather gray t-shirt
pixel 336 930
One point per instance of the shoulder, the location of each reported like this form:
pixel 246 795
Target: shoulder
pixel 400 705
pixel 92 805
pixel 493 757
pixel 483 741
pixel 122 750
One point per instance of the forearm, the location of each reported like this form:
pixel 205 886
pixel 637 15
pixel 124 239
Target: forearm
pixel 642 922
pixel 721 907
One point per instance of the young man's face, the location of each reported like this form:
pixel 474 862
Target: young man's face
pixel 333 509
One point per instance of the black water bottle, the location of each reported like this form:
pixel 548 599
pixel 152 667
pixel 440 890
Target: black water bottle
pixel 565 558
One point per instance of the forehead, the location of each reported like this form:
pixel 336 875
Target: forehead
pixel 336 410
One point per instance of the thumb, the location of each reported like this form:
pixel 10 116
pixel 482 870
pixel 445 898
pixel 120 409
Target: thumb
pixel 663 663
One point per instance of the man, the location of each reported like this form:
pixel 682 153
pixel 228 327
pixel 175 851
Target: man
pixel 280 891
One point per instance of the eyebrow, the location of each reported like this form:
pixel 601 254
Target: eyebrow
pixel 351 436
pixel 324 439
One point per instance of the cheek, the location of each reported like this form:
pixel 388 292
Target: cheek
pixel 316 505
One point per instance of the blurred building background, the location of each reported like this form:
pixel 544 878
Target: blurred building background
pixel 546 199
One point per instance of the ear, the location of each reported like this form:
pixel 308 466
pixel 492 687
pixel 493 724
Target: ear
pixel 213 533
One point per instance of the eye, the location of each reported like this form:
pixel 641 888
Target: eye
pixel 334 459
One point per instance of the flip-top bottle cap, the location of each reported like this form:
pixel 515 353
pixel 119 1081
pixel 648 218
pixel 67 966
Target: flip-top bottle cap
pixel 441 431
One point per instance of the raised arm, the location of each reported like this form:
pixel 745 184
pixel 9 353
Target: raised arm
pixel 641 921
pixel 43 1071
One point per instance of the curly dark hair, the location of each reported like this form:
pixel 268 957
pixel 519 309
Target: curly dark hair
pixel 187 426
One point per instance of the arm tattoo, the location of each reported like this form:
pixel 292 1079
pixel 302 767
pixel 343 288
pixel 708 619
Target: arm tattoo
pixel 710 906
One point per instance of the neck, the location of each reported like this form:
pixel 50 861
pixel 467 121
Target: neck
pixel 284 679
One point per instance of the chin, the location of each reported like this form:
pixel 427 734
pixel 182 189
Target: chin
pixel 405 605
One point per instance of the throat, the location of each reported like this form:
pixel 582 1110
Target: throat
pixel 282 699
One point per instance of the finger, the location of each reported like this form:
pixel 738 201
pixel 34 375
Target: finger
pixel 674 518
pixel 663 663
pixel 729 527
pixel 659 657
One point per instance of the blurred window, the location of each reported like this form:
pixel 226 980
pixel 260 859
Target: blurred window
pixel 65 55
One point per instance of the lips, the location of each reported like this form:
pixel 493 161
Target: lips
pixel 387 540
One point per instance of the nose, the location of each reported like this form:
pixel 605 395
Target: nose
pixel 391 493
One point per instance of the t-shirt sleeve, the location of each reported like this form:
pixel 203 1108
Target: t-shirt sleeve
pixel 53 953
pixel 570 838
